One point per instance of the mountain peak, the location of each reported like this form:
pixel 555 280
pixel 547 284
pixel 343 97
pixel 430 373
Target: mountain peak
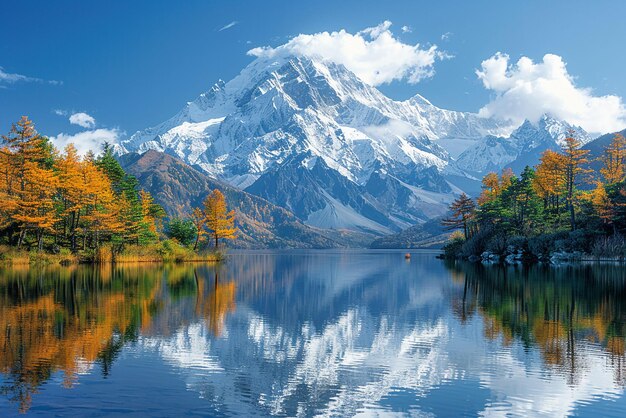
pixel 418 100
pixel 285 107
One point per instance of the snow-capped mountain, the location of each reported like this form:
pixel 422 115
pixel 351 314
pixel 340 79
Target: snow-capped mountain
pixel 277 109
pixel 523 147
pixel 310 136
pixel 280 120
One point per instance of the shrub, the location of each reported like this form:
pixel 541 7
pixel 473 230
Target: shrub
pixel 613 246
pixel 497 244
pixel 518 242
pixel 541 245
pixel 477 244
pixel 452 249
pixel 580 240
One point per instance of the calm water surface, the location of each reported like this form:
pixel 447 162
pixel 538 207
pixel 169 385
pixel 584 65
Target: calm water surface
pixel 313 333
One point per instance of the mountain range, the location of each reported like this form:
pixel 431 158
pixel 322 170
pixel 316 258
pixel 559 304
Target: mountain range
pixel 308 137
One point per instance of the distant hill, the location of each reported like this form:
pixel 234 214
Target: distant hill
pixel 179 187
pixel 597 146
pixel 427 235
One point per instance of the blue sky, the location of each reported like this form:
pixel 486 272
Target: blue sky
pixel 133 64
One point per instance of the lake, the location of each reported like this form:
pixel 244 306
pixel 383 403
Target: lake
pixel 307 333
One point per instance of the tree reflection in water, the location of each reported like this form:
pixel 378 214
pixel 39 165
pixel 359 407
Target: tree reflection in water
pixel 552 308
pixel 69 319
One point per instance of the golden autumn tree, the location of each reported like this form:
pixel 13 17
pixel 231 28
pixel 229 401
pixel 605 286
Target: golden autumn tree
pixel 602 204
pixel 463 215
pixel 35 207
pixel 494 185
pixel 199 221
pixel 549 181
pixel 151 215
pixel 218 220
pixel 491 188
pixel 30 184
pixel 8 183
pixel 613 170
pixel 71 192
pixel 506 178
pixel 102 211
pixel 575 159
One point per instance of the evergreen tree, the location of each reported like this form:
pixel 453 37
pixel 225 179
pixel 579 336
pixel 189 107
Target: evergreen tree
pixel 182 230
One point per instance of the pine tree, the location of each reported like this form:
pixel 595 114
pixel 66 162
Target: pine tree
pixel 182 230
pixel 112 168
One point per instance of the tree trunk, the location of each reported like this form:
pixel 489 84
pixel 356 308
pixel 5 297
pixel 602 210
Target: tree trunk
pixel 216 241
pixel 39 240
pixel 20 240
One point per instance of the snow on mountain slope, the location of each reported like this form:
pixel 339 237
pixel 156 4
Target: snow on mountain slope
pixel 310 136
pixel 248 131
pixel 275 109
pixel 523 147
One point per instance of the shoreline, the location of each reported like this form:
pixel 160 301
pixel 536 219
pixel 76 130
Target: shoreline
pixel 558 259
pixel 47 259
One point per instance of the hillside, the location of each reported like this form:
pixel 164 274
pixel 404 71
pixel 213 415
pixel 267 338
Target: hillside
pixel 179 187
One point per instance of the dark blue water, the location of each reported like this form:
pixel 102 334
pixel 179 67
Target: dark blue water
pixel 354 333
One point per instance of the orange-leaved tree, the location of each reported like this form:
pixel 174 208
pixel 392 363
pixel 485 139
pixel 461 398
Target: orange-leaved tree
pixel 613 170
pixel 29 183
pixel 549 182
pixel 463 216
pixel 218 219
pixel 199 221
pixel 575 159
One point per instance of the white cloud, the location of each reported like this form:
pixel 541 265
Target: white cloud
pixel 228 26
pixel 446 36
pixel 373 54
pixel 526 90
pixel 14 78
pixel 60 112
pixel 11 78
pixel 406 29
pixel 82 119
pixel 87 140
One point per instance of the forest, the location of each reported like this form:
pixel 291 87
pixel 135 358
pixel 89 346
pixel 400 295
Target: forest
pixel 61 206
pixel 570 206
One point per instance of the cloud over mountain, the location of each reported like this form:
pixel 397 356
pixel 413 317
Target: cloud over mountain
pixel 527 90
pixel 374 54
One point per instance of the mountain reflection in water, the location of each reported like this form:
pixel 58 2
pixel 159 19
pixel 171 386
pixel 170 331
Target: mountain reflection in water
pixel 306 333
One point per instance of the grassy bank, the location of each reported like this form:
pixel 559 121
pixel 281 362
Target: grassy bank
pixel 163 252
